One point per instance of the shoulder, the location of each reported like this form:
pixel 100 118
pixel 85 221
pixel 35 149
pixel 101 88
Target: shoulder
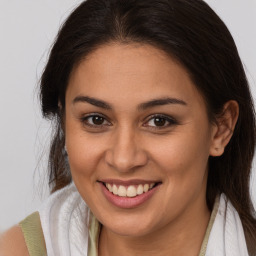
pixel 12 243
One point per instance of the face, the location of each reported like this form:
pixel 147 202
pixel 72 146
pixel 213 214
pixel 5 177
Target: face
pixel 138 139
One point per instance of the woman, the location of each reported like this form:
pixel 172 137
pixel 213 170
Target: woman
pixel 154 137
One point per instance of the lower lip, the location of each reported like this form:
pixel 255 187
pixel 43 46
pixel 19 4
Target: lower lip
pixel 128 202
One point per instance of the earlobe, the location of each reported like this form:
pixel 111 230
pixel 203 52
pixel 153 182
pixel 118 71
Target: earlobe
pixel 224 128
pixel 217 151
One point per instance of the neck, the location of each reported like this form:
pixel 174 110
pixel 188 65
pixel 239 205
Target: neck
pixel 182 236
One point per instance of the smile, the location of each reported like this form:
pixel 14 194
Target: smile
pixel 129 191
pixel 128 194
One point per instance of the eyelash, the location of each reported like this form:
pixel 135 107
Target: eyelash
pixel 84 120
pixel 171 121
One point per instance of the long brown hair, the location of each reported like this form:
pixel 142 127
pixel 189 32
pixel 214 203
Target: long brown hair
pixel 190 32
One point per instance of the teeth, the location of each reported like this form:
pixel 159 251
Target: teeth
pixel 129 191
pixel 146 188
pixel 121 191
pixel 140 190
pixel 115 190
pixel 109 187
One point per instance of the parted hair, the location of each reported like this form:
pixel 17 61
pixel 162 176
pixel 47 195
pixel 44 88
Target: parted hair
pixel 190 32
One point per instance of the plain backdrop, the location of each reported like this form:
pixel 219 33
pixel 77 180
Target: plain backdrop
pixel 27 30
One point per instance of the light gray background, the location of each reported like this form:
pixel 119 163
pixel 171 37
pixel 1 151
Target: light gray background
pixel 27 30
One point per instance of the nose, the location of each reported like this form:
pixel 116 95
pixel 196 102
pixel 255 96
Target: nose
pixel 125 152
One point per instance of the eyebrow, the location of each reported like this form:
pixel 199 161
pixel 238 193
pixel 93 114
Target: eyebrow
pixel 160 102
pixel 92 101
pixel 143 106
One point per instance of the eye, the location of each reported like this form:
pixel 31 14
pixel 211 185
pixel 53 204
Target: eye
pixel 160 121
pixel 95 120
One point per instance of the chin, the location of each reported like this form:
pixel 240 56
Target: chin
pixel 130 227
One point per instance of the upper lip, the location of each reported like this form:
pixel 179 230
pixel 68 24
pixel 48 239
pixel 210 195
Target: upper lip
pixel 128 182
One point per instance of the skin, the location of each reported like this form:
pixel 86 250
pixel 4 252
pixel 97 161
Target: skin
pixel 129 145
pixel 12 243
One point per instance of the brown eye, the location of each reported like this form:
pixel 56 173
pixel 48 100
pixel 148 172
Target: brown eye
pixel 159 121
pixel 98 120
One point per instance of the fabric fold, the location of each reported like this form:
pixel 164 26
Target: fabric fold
pixel 63 217
pixel 227 236
pixel 65 220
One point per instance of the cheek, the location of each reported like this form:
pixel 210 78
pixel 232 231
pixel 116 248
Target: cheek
pixel 182 160
pixel 84 152
pixel 84 156
pixel 183 155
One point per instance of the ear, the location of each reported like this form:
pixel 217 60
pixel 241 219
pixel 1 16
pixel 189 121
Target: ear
pixel 224 128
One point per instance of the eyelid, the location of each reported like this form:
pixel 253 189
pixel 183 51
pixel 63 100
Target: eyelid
pixel 172 121
pixel 87 116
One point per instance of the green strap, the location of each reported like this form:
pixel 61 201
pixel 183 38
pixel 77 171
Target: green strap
pixel 33 234
pixel 94 233
pixel 209 227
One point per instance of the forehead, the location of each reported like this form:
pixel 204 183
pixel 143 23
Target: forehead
pixel 130 72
